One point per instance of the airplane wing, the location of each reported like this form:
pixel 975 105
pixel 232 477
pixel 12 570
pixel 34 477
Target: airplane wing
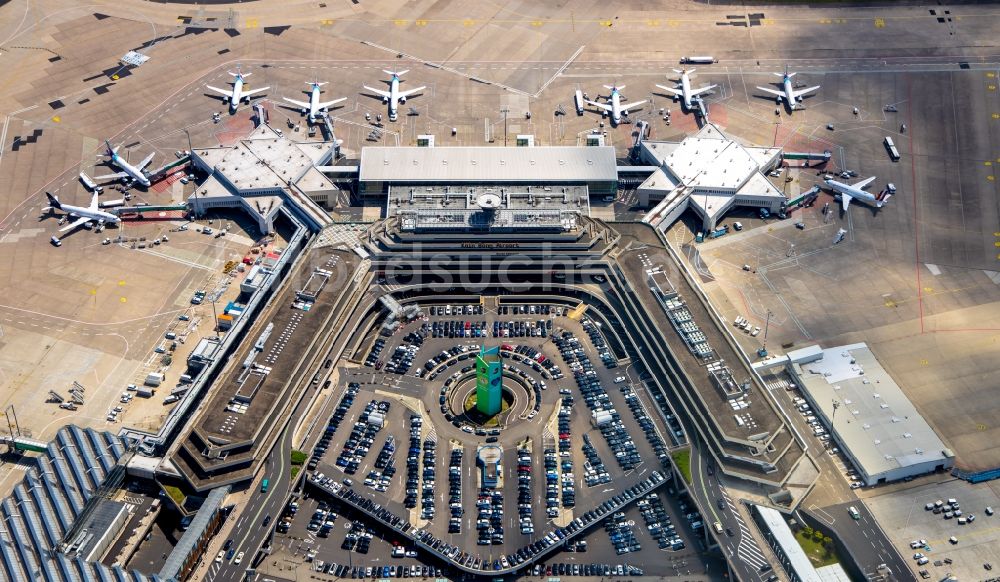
pixel 378 91
pixel 845 201
pixel 798 94
pixel 864 183
pixel 78 222
pixel 411 91
pixel 224 92
pixel 672 91
pixel 705 89
pixel 93 202
pixel 299 103
pixel 145 162
pixel 249 93
pixel 628 106
pixel 772 92
pixel 326 104
pixel 115 176
pixel 603 106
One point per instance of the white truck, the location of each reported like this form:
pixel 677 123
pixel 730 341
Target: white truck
pixel 154 379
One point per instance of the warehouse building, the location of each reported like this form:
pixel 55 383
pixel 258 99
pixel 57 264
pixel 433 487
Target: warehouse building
pixel 57 523
pixel 868 416
pixel 710 173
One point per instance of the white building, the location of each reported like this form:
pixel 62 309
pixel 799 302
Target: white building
pixel 708 172
pixel 868 416
pixel 786 548
pixel 259 173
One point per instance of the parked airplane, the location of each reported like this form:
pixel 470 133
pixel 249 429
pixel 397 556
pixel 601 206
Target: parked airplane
pixel 394 97
pixel 614 107
pixel 788 93
pixel 235 95
pixel 686 94
pixel 314 108
pixel 849 191
pixel 81 214
pixel 128 172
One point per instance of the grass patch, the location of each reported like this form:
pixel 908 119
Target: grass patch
pixel 176 494
pixel 683 461
pixel 295 470
pixel 820 549
pixel 298 457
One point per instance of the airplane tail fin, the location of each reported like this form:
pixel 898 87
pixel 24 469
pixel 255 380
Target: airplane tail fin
pixel 396 73
pixel 691 71
pixel 53 201
pixel 782 75
pixel 883 200
pixel 110 152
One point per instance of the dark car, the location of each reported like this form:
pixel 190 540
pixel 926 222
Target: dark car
pixel 267 520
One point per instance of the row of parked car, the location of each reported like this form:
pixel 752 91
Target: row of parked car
pixel 428 479
pixel 658 523
pixel 489 520
pixel 534 358
pixel 455 554
pixel 413 463
pixel 594 471
pixel 322 520
pixel 551 463
pixel 335 419
pixel 598 400
pixel 459 328
pixel 646 424
pixel 373 360
pixel 380 477
pixel 593 330
pixel 524 496
pixel 365 572
pixel 362 437
pixel 605 570
pixel 530 310
pixel 358 538
pixel 566 475
pixel 622 536
pixel 455 490
pixel 441 310
pixel 538 328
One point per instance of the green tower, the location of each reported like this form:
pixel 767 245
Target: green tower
pixel 489 381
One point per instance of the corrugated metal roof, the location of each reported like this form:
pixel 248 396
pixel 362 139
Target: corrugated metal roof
pixel 489 164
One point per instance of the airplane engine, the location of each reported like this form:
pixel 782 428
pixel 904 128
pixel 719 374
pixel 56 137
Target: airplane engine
pixel 402 100
pixel 304 111
pixel 225 99
pixel 385 100
pixel 777 100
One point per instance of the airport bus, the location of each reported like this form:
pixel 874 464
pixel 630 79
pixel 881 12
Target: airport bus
pixel 89 183
pixel 893 152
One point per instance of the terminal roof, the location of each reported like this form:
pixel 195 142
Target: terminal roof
pixel 489 164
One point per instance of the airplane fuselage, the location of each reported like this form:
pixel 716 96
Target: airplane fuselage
pixel 393 98
pixel 856 193
pixel 616 107
pixel 134 173
pixel 237 96
pixel 789 91
pixel 686 90
pixel 314 103
pixel 95 215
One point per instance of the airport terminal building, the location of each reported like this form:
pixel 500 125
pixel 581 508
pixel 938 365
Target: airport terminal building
pixel 710 173
pixel 870 418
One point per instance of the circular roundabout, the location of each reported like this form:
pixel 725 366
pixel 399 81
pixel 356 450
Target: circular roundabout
pixel 462 403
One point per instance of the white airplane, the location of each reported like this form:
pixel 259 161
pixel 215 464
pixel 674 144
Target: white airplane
pixel 614 107
pixel 394 97
pixel 235 95
pixel 128 172
pixel 81 214
pixel 856 191
pixel 686 94
pixel 788 93
pixel 314 108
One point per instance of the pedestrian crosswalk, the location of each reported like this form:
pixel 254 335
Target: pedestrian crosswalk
pixel 747 548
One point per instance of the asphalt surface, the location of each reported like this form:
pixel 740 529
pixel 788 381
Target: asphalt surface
pixel 869 549
pixel 741 549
